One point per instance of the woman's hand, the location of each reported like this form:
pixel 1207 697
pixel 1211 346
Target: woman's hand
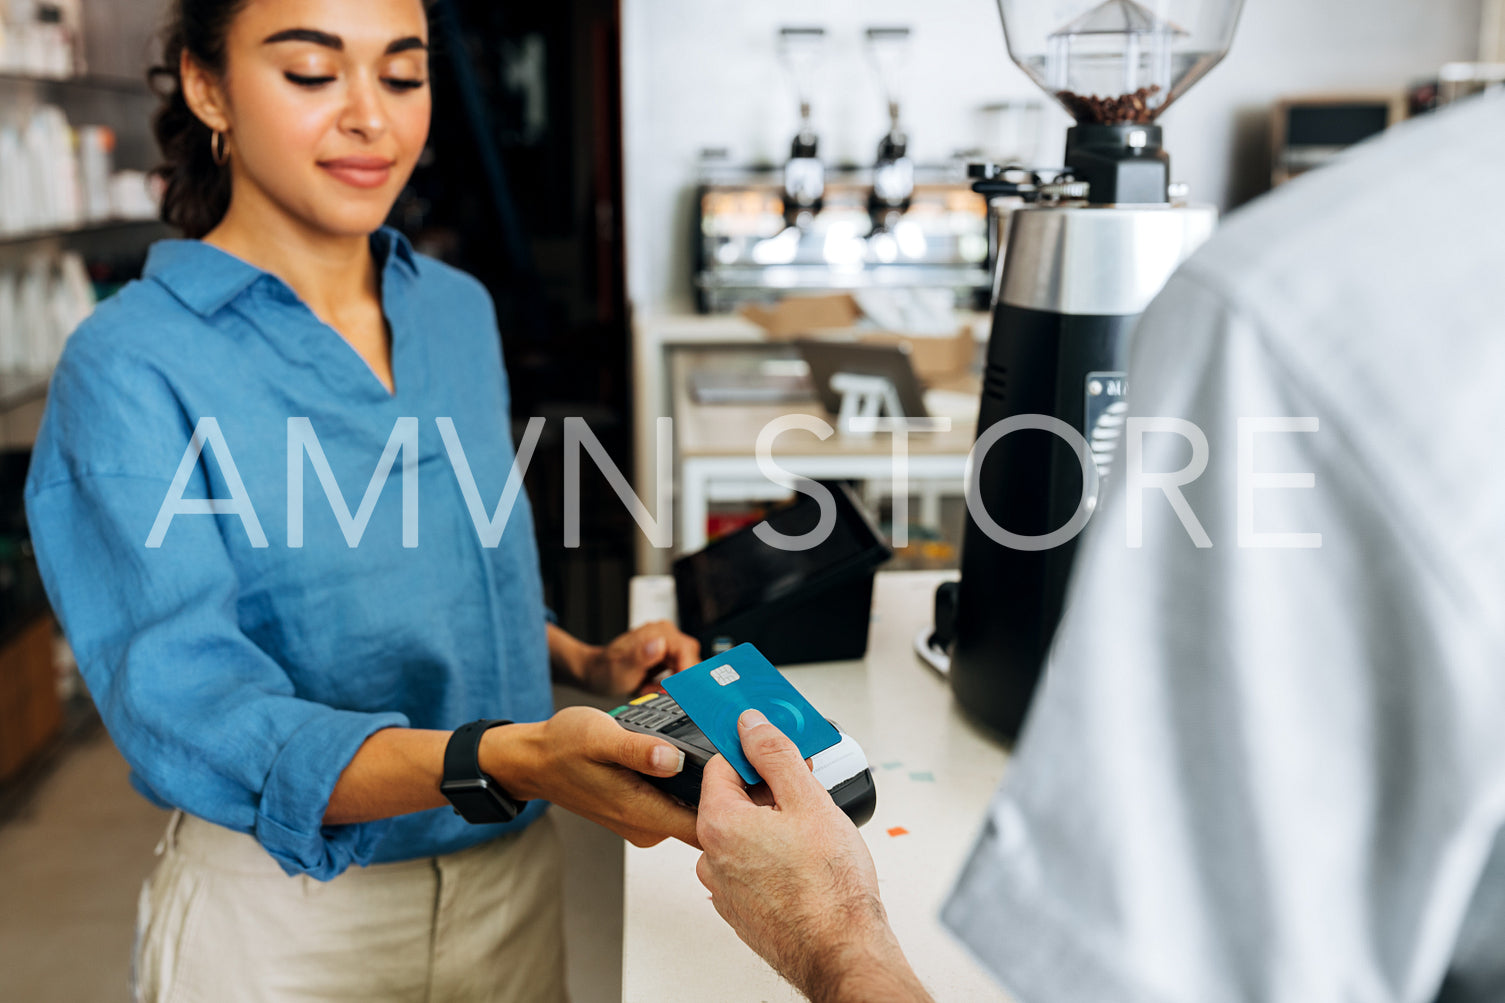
pixel 624 665
pixel 583 761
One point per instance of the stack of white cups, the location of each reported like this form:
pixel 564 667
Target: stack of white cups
pixel 53 177
pixel 41 38
pixel 41 301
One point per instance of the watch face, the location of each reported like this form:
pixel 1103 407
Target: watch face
pixel 474 785
pixel 479 802
pixel 476 797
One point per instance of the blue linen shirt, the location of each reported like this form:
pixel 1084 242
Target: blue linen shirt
pixel 239 679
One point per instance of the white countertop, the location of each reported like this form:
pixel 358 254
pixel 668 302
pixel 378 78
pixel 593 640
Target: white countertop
pixel 934 772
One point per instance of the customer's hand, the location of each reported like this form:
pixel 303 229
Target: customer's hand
pixel 794 878
pixel 622 666
pixel 583 761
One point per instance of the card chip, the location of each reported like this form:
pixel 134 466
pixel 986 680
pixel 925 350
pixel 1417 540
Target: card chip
pixel 725 675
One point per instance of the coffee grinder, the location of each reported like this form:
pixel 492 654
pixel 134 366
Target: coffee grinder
pixel 893 171
pixel 1095 242
pixel 801 49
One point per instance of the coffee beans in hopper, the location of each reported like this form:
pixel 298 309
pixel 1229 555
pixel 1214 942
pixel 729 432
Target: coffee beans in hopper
pixel 1122 110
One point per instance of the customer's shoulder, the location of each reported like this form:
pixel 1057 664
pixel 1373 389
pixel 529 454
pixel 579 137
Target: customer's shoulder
pixel 1367 295
pixel 1391 207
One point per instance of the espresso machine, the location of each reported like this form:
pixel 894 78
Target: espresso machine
pixel 811 225
pixel 1095 241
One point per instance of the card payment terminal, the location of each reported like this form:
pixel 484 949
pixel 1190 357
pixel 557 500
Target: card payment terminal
pixel 842 769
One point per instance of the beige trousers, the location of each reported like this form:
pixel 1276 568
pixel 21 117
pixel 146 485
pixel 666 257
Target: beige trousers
pixel 220 921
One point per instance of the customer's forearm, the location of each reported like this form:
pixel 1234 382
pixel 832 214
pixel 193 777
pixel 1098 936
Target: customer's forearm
pixel 873 970
pixel 884 982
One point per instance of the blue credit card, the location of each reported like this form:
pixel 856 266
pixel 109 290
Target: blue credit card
pixel 717 691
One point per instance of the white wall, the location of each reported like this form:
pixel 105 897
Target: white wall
pixel 705 73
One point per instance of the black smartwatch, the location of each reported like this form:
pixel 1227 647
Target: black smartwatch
pixel 477 798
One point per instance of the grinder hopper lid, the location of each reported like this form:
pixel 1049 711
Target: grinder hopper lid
pixel 1114 62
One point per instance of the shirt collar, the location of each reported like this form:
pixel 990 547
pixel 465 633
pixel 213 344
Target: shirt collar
pixel 388 243
pixel 206 279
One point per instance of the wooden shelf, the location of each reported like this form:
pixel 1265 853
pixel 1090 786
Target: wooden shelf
pixel 31 715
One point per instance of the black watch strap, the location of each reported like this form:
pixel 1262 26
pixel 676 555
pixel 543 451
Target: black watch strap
pixel 477 797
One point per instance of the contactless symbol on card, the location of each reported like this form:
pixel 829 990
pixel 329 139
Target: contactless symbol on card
pixel 716 692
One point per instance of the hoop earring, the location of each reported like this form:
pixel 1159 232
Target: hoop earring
pixel 217 148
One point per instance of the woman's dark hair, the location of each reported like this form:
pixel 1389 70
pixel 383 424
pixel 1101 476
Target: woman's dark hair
pixel 197 189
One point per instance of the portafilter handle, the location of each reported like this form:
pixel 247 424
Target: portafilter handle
pixel 1029 183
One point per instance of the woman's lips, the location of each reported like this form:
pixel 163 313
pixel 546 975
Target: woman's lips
pixel 359 172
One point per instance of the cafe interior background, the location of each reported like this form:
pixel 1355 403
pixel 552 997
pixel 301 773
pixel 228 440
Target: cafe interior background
pixel 615 172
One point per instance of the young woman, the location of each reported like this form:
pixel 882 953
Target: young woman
pixel 289 676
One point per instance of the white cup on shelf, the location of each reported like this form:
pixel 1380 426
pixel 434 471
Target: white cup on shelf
pixel 14 184
pixel 11 358
pixel 48 143
pixel 96 164
pixel 72 301
pixel 34 318
pixel 132 195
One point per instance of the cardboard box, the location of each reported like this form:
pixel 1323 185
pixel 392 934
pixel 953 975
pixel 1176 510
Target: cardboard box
pixel 801 316
pixel 935 358
pixel 30 712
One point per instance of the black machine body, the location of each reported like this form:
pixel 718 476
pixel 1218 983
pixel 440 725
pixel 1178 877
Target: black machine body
pixel 1076 275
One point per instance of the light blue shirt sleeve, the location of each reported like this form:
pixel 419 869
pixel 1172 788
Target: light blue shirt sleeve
pixel 207 719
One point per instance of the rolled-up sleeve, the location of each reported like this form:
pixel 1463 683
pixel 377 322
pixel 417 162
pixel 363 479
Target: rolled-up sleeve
pixel 208 721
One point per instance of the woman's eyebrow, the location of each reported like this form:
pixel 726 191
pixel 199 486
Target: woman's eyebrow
pixel 406 45
pixel 313 35
pixel 337 43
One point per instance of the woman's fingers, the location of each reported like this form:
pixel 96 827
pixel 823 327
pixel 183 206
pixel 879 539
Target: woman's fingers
pixel 686 651
pixel 598 770
pixel 642 753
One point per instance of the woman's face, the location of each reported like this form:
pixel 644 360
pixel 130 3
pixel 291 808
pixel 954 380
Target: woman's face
pixel 328 105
